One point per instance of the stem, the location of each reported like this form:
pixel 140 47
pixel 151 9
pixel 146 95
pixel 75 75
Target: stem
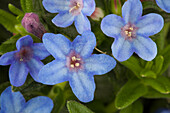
pixel 99 50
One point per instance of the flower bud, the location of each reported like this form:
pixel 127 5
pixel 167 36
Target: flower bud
pixel 97 14
pixel 33 25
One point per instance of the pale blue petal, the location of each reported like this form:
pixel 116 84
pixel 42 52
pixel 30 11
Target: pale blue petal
pixel 11 102
pixel 40 104
pixel 82 23
pixel 150 24
pixel 145 48
pixel 57 45
pixel 122 49
pixel 99 64
pixel 88 7
pixel 111 25
pixel 40 51
pixel 7 58
pixel 24 41
pixel 34 67
pixel 85 44
pixel 164 4
pixel 55 6
pixel 18 73
pixel 63 19
pixel 53 73
pixel 83 86
pixel 132 11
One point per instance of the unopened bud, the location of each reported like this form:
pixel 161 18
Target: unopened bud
pixel 116 7
pixel 33 25
pixel 97 14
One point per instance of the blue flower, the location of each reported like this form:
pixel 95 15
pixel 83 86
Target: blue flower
pixel 14 102
pixel 164 4
pixel 70 11
pixel 132 32
pixel 74 62
pixel 25 59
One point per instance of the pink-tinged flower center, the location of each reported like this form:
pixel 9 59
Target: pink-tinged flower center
pixel 74 61
pixel 24 54
pixel 129 31
pixel 75 7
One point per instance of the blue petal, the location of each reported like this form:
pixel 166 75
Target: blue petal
pixel 82 23
pixel 145 48
pixel 122 49
pixel 40 104
pixel 7 58
pixel 18 73
pixel 24 41
pixel 11 102
pixel 34 67
pixel 40 51
pixel 150 24
pixel 85 44
pixel 63 19
pixel 132 11
pixel 164 4
pixel 99 64
pixel 55 6
pixel 57 44
pixel 53 73
pixel 88 7
pixel 83 86
pixel 111 25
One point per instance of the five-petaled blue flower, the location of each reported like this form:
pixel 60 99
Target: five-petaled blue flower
pixel 25 59
pixel 69 11
pixel 132 32
pixel 164 4
pixel 14 102
pixel 74 62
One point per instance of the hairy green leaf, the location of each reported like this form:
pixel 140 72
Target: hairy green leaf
pixel 136 107
pixel 8 21
pixel 75 107
pixel 27 5
pixel 129 93
pixel 15 10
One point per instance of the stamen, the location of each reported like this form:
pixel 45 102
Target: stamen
pixel 73 58
pixel 129 34
pixel 75 7
pixel 21 59
pixel 77 64
pixel 72 65
pixel 131 28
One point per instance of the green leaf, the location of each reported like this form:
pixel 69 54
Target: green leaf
pixel 152 93
pixel 149 5
pixel 166 55
pixel 75 107
pixel 133 64
pixel 15 10
pixel 27 5
pixel 148 74
pixel 159 60
pixel 161 84
pixel 9 45
pixel 136 107
pixel 3 86
pixel 8 21
pixel 129 93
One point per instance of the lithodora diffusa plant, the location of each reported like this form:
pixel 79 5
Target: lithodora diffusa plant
pixel 55 47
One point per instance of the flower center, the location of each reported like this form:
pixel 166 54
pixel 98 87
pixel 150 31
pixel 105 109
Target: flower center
pixel 75 7
pixel 24 54
pixel 129 31
pixel 74 61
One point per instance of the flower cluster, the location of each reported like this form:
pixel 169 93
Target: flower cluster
pixel 14 102
pixel 74 61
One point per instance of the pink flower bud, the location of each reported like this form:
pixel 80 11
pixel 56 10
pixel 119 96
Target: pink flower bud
pixel 97 14
pixel 33 25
